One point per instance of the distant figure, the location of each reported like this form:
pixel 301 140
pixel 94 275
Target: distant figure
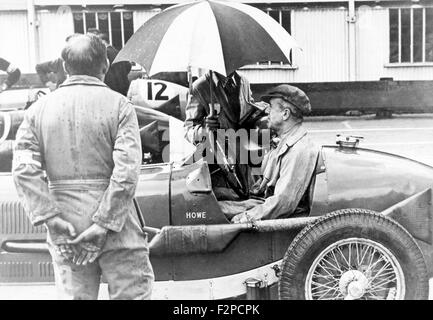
pixel 117 74
pixel 13 74
pixel 76 166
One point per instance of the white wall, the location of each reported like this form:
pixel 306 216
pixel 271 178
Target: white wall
pixel 14 39
pixel 54 27
pixel 322 34
pixel 373 49
pixel 372 45
pixel 141 16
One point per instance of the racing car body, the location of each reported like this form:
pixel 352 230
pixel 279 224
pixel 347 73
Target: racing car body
pixel 197 253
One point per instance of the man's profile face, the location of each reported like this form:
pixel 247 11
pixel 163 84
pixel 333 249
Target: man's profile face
pixel 277 114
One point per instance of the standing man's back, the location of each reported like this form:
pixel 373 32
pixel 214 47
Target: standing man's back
pixel 81 112
pixel 86 138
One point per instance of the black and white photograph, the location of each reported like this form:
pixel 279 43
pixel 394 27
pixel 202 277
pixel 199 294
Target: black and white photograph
pixel 232 150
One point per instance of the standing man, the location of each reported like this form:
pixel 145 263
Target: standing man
pixel 76 164
pixel 117 74
pixel 288 169
pixel 13 74
pixel 235 108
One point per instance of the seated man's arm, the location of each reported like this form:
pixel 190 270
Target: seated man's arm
pixel 295 174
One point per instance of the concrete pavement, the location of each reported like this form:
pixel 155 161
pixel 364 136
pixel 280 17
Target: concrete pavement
pixel 406 135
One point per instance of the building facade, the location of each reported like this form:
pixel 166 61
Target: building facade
pixel 342 41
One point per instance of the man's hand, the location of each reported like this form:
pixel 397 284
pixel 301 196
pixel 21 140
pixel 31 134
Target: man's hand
pixel 60 230
pixel 89 244
pixel 243 217
pixel 51 85
pixel 212 123
pixel 263 105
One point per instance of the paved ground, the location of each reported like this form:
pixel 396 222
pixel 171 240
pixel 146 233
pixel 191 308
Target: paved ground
pixel 406 135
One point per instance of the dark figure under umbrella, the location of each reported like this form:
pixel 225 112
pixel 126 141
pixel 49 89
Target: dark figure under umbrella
pixel 234 107
pixel 117 74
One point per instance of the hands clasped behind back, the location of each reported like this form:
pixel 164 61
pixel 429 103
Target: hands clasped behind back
pixel 80 249
pixel 88 244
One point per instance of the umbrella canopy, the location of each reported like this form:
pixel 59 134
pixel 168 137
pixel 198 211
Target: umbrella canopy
pixel 214 35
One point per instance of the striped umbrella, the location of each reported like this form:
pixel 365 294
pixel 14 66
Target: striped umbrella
pixel 216 35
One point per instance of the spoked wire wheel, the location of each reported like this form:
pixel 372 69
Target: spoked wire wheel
pixel 355 268
pixel 353 254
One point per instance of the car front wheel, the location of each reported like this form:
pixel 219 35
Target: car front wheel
pixel 354 254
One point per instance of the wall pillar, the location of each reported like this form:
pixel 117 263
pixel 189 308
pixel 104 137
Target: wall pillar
pixel 32 32
pixel 351 20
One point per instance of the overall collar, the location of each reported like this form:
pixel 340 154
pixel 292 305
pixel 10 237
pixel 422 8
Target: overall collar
pixel 290 137
pixel 82 80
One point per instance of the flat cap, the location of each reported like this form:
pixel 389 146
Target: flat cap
pixel 291 94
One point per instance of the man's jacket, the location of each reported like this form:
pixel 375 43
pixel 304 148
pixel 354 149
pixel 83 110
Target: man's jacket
pixel 198 106
pixel 78 155
pixel 287 173
pixel 117 74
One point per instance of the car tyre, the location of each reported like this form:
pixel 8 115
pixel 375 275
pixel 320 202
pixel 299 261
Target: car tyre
pixel 313 267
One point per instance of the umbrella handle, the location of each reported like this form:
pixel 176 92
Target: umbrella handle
pixel 189 80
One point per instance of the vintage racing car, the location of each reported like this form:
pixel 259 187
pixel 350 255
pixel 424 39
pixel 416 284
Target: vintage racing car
pixel 367 234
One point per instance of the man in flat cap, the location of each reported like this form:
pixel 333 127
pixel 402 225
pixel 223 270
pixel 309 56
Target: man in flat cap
pixel 288 168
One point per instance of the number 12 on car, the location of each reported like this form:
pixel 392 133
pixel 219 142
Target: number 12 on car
pixel 158 88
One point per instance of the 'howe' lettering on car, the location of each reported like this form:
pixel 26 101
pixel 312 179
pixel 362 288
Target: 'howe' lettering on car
pixel 195 215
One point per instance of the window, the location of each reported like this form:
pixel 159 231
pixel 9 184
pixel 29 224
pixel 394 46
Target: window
pixel 282 16
pixel 117 25
pixel 410 35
